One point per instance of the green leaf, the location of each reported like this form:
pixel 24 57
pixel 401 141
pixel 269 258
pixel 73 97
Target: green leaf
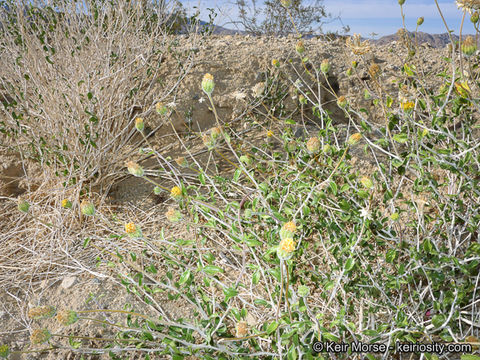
pixel 272 327
pixel 237 174
pixel 401 138
pixel 185 277
pixel 256 277
pixel 260 302
pixel 469 357
pixel 333 187
pixel 212 269
pixel 391 255
pixel 86 242
pixel 201 177
pixel 427 246
pixel 370 332
pixel 349 264
pixel 438 320
pixel 330 337
pixel 292 353
pixel 290 121
pixel 230 293
pixel 389 101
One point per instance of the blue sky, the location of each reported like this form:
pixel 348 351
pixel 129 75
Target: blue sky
pixel 363 16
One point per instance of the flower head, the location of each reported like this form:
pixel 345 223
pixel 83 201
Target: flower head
pixel 176 192
pixel 4 351
pixel 325 66
pixel 407 106
pixel 374 70
pixel 354 138
pixel 41 312
pixel 139 124
pixel 40 336
pixel 313 145
pixel 130 228
pixel 420 20
pixel 300 48
pixel 286 3
pixel 66 204
pixel 269 133
pixel 23 205
pixel 160 108
pixel 173 215
pixel 275 63
pixel 286 248
pixel 87 208
pixel 208 84
pixel 367 182
pixel 67 317
pixel 356 46
pixel 342 101
pixel 241 330
pixel 181 161
pixel 474 17
pixel 469 46
pixel 290 226
pixel 468 5
pixel 208 141
pixel 215 132
pixel 134 169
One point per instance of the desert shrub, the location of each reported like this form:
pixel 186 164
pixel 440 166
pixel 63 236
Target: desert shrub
pixel 293 243
pixel 74 77
pixel 275 20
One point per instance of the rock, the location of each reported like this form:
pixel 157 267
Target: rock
pixel 68 282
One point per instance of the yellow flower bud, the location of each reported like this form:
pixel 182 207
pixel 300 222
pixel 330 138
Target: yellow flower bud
pixel 40 336
pixel 67 317
pixel 66 204
pixel 342 101
pixel 313 145
pixel 325 66
pixel 354 138
pixel 41 312
pixel 300 48
pixel 367 182
pixel 241 330
pixel 134 169
pixel 87 208
pixel 208 84
pixel 23 205
pixel 139 124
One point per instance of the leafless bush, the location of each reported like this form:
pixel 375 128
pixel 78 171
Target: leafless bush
pixel 74 75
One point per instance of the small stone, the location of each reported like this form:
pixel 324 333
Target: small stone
pixel 68 282
pixel 250 320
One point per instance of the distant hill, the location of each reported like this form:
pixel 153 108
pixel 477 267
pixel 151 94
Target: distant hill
pixel 435 40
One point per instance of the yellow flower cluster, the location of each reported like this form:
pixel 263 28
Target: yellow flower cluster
pixel 176 191
pixel 290 226
pixel 130 228
pixel 287 245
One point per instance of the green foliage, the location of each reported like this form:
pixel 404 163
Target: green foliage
pixel 276 21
